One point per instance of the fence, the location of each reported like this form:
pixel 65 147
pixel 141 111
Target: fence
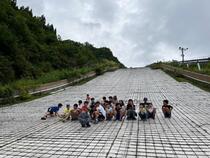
pixel 196 61
pixel 193 75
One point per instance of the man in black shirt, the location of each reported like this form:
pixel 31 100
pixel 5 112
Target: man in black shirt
pixel 131 113
pixel 166 109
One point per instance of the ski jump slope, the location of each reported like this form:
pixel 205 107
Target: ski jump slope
pixel 186 134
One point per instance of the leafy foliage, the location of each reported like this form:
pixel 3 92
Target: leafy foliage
pixel 30 48
pixel 205 67
pixel 31 53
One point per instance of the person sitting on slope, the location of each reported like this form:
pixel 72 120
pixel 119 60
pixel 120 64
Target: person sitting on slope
pixel 166 109
pixel 84 117
pixel 52 111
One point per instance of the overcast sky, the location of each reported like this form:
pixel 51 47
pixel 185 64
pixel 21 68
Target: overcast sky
pixel 138 32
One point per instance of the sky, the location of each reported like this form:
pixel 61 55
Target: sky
pixel 139 32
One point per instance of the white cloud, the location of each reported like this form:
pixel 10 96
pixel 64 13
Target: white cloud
pixel 138 32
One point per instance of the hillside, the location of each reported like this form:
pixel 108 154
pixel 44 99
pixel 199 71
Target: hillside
pixel 30 48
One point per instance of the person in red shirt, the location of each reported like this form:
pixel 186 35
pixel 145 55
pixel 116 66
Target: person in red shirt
pixel 84 117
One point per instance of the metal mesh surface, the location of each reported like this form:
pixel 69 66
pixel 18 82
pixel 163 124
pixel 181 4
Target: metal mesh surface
pixel 186 134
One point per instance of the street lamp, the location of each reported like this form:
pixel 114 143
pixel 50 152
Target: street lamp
pixel 183 49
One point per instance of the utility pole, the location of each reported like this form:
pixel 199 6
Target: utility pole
pixel 182 50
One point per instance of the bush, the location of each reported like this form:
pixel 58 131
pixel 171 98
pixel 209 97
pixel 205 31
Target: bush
pixel 155 65
pixel 99 71
pixel 23 86
pixel 73 75
pixel 205 67
pixel 6 91
pixel 24 95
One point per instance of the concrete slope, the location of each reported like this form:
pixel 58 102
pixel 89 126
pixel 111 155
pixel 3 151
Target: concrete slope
pixel 186 134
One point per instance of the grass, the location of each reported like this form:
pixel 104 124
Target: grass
pixel 181 78
pixel 22 87
pixel 205 67
pixel 12 101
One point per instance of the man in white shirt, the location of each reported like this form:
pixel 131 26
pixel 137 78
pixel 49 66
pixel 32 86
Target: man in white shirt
pixel 101 110
pixel 100 113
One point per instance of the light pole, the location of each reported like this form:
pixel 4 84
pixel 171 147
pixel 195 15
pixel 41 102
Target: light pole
pixel 183 49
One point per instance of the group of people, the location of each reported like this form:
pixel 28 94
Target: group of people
pixel 107 109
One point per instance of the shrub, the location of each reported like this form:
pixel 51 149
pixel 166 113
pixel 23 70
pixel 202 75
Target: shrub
pixel 24 95
pixel 98 70
pixel 6 91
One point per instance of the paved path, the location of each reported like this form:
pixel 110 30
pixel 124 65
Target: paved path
pixel 186 134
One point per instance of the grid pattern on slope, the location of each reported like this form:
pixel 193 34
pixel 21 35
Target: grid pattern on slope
pixel 186 134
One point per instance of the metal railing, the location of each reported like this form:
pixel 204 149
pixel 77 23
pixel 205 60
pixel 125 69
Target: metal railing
pixel 196 61
pixel 189 74
pixel 203 60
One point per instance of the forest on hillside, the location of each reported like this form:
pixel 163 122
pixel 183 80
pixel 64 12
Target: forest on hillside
pixel 32 53
pixel 29 47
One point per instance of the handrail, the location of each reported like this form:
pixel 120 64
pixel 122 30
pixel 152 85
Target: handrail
pixel 189 74
pixel 203 60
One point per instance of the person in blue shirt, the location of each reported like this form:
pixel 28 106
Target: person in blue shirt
pixel 52 111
